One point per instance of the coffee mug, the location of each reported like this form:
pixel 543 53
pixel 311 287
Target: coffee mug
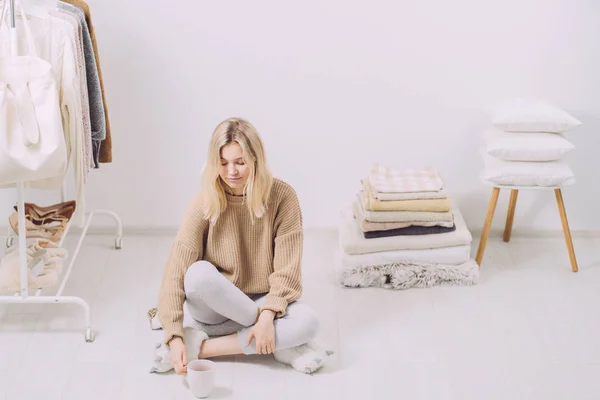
pixel 201 377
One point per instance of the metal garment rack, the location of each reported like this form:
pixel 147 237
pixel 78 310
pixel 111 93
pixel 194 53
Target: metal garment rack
pixel 24 297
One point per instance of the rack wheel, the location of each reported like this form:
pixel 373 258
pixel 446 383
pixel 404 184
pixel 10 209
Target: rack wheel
pixel 119 243
pixel 89 335
pixel 9 241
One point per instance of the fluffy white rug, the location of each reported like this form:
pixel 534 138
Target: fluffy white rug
pixel 409 274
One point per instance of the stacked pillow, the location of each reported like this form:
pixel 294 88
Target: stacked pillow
pixel 526 146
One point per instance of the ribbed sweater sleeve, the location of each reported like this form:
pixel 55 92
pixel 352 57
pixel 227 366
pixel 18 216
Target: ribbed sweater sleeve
pixel 186 249
pixel 286 279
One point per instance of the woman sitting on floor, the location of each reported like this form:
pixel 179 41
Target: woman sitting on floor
pixel 236 262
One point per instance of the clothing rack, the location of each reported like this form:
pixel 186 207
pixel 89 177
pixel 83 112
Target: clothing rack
pixel 23 297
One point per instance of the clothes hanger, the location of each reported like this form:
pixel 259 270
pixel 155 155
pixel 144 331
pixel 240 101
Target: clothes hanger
pixel 37 8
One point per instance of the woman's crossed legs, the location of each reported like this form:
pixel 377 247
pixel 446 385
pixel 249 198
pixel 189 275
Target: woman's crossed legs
pixel 219 308
pixel 213 300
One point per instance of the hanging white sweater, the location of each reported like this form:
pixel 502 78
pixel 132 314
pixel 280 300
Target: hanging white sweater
pixel 56 43
pixel 85 102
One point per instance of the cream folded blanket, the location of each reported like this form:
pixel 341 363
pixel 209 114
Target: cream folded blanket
pixel 372 204
pixel 367 226
pixel 403 216
pixel 443 255
pixel 386 196
pixel 353 241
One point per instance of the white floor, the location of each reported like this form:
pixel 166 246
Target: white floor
pixel 529 330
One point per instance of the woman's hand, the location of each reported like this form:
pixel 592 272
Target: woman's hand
pixel 178 356
pixel 264 333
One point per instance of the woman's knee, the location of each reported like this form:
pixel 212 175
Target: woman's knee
pixel 306 319
pixel 200 277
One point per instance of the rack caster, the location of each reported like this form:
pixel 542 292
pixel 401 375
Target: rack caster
pixel 89 335
pixel 119 243
pixel 9 241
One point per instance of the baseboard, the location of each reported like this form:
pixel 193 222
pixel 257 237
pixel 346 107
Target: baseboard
pixel 111 230
pixel 476 233
pixel 170 231
pixel 537 233
pixel 153 230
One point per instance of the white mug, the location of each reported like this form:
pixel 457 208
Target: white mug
pixel 201 377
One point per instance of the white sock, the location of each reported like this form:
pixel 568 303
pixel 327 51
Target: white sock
pixel 153 318
pixel 313 345
pixel 155 323
pixel 306 358
pixel 193 338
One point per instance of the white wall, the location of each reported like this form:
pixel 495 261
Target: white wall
pixel 334 86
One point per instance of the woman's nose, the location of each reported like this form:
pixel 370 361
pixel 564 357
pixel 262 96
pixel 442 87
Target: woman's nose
pixel 232 170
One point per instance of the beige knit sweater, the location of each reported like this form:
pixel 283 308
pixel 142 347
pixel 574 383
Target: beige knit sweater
pixel 260 257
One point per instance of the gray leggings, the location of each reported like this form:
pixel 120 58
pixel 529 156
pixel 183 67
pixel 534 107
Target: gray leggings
pixel 217 304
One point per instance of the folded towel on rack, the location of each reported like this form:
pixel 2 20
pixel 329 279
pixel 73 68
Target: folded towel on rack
pixel 44 222
pixel 44 264
pixel 60 211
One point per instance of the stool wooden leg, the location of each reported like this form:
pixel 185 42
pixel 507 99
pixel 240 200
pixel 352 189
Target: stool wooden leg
pixel 487 225
pixel 566 230
pixel 511 214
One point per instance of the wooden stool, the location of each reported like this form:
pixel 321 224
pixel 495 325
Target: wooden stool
pixel 514 192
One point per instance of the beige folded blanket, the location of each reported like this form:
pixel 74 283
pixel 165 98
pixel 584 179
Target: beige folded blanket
pixel 353 241
pixel 367 226
pixel 402 216
pixel 372 204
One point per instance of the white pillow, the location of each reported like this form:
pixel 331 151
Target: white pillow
pixel 526 146
pixel 521 173
pixel 528 115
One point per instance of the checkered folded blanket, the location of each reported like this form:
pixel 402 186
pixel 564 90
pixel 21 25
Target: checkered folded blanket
pixel 388 180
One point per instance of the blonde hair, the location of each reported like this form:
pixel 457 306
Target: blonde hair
pixel 260 179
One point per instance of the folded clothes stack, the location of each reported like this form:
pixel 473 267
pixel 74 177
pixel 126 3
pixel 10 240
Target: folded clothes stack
pixel 44 264
pixel 403 202
pixel 44 222
pixel 402 231
pixel 45 227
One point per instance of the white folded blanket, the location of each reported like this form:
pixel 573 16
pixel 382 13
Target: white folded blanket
pixel 353 241
pixel 442 255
